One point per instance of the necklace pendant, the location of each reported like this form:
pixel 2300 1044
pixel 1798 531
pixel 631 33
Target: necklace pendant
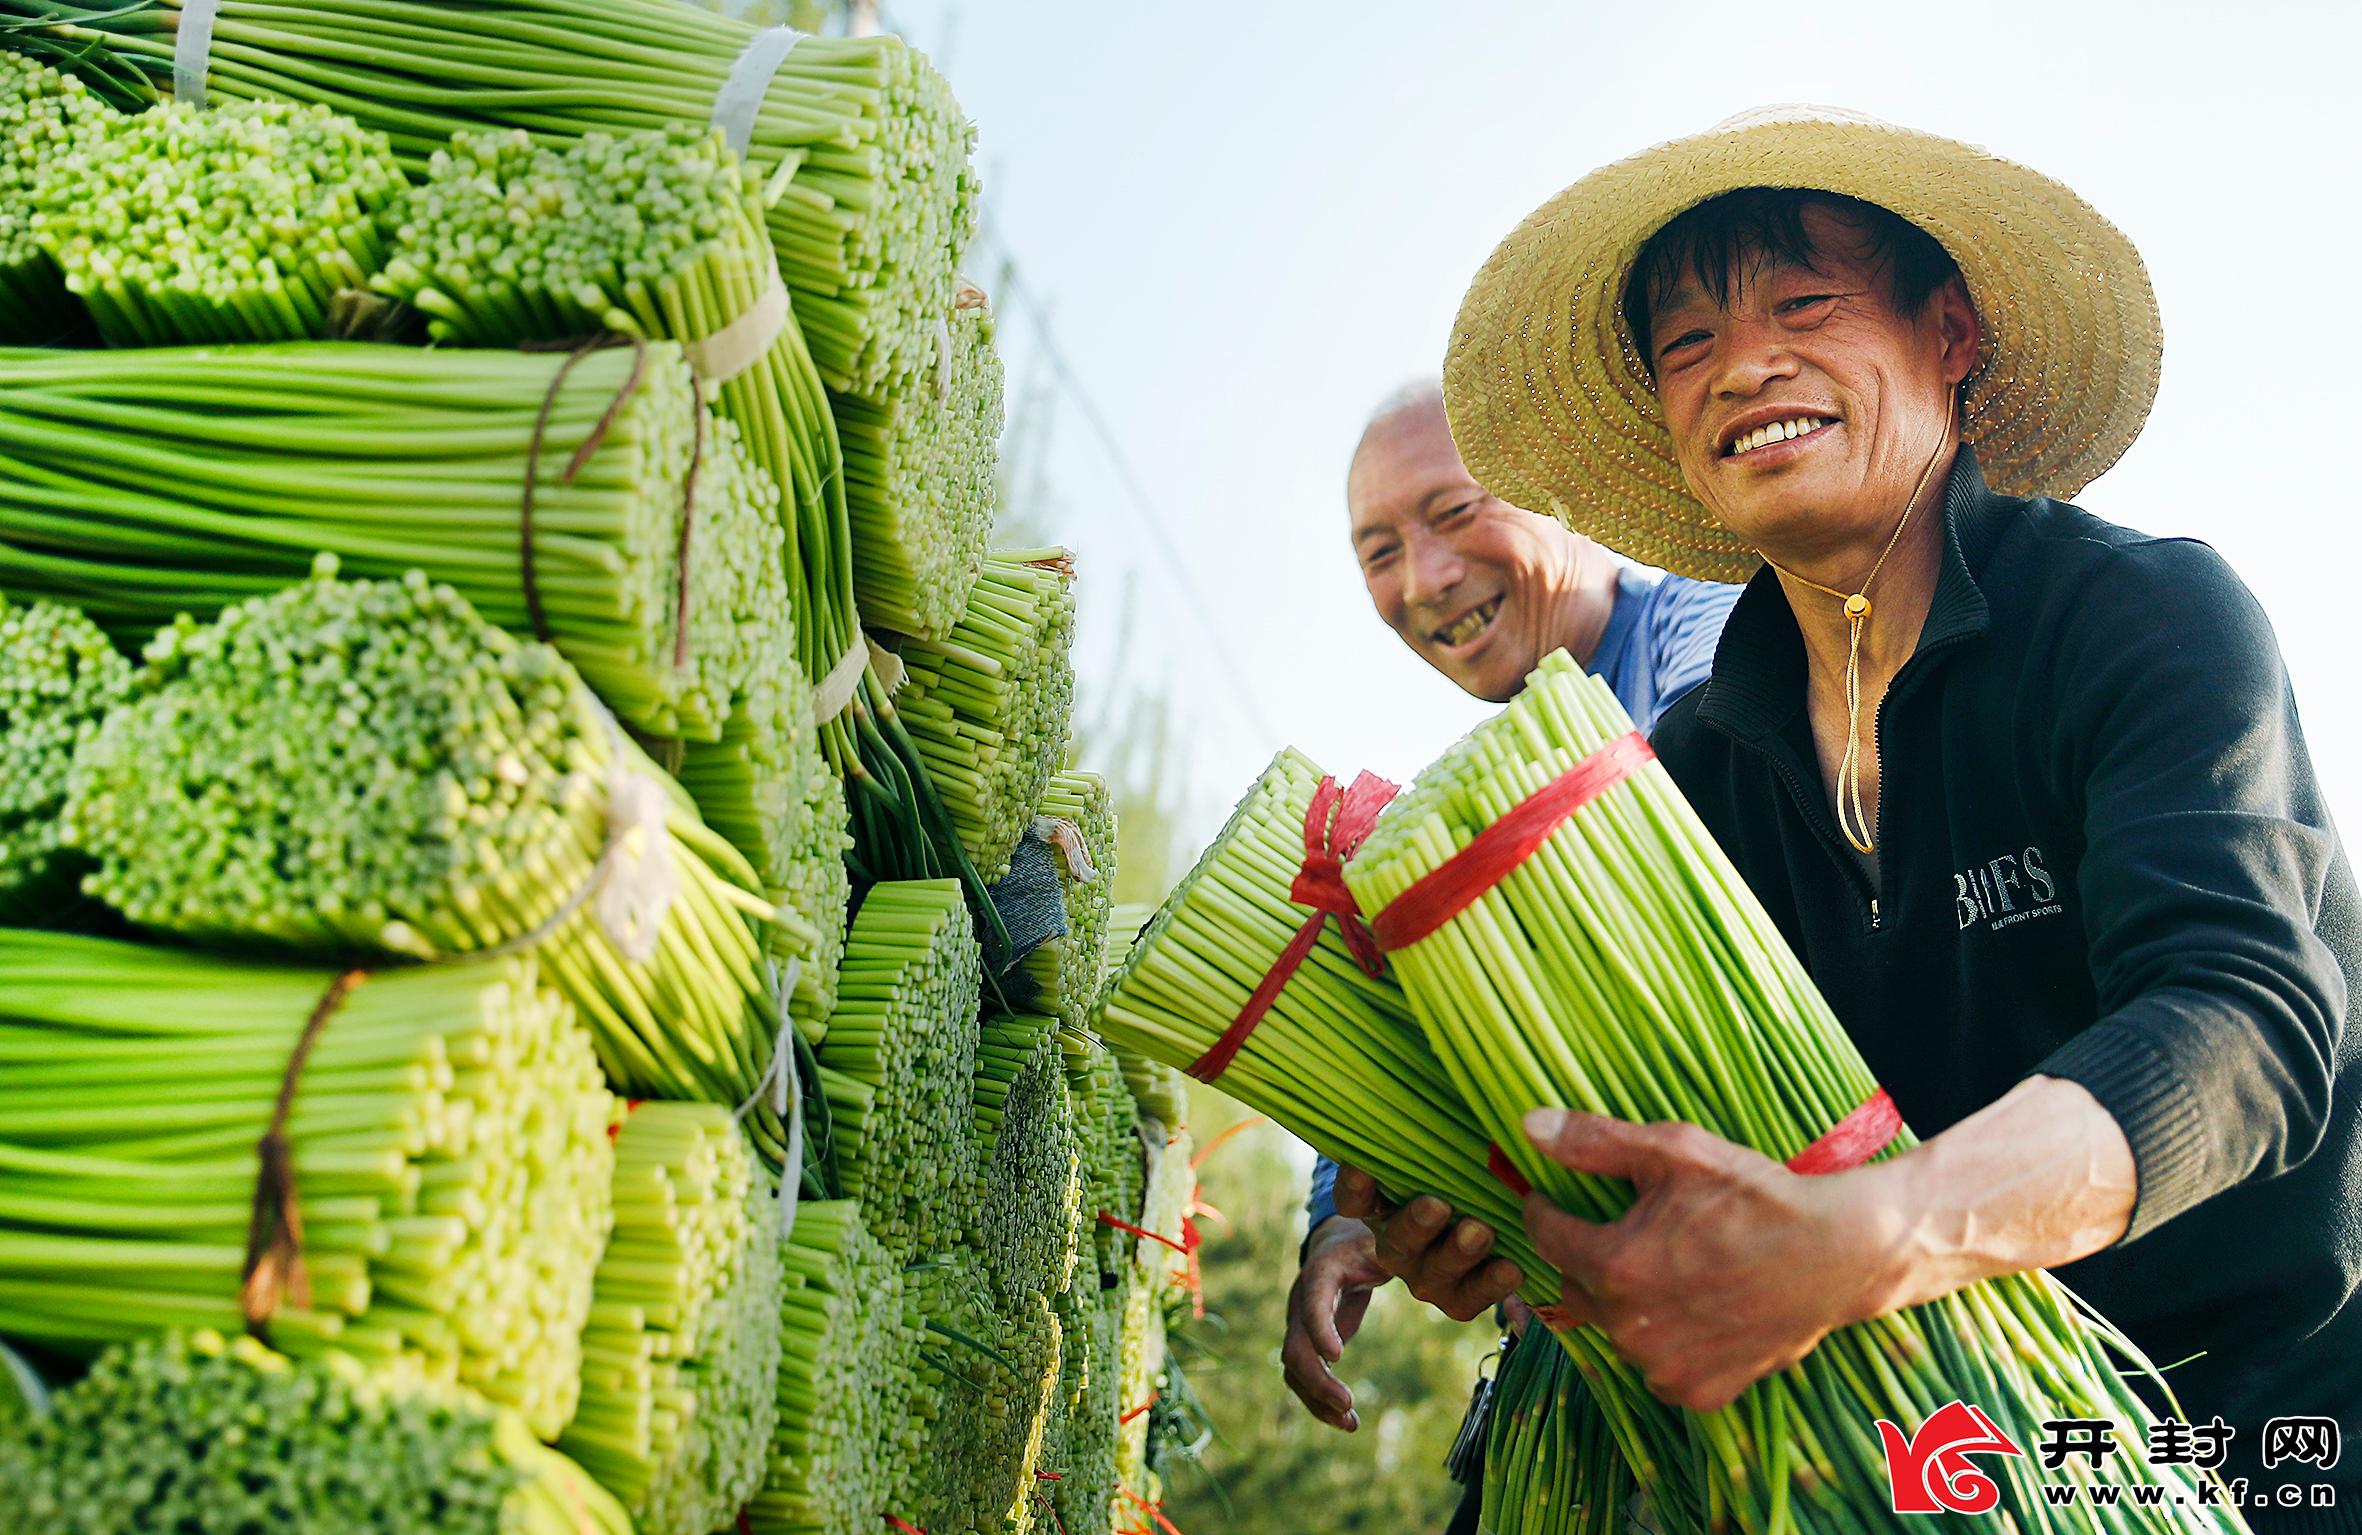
pixel 1857 606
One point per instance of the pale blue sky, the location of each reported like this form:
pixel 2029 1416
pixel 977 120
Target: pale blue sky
pixel 1254 222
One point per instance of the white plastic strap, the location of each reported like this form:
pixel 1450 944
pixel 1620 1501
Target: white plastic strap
pixel 891 672
pixel 942 361
pixel 834 692
pixel 635 881
pixel 1067 838
pixel 641 880
pixel 192 50
pixel 783 1082
pixel 743 342
pixel 740 99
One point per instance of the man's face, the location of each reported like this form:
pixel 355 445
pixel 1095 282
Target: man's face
pixel 1804 414
pixel 1465 578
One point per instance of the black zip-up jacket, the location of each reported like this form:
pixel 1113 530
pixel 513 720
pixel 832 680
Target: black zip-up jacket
pixel 2103 857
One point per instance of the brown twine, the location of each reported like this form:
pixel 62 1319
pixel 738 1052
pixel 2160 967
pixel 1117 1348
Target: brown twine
pixel 688 516
pixel 576 351
pixel 274 1235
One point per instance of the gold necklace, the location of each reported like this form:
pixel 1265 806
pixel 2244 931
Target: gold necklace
pixel 1857 618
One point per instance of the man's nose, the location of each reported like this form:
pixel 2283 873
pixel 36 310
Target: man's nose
pixel 1753 353
pixel 1430 570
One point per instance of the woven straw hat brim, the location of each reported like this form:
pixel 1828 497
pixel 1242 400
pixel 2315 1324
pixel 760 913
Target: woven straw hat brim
pixel 1552 409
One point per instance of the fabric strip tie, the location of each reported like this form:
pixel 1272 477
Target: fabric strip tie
pixel 833 694
pixel 1067 839
pixel 192 51
pixel 1454 885
pixel 745 341
pixel 274 1232
pixel 740 100
pixel 1319 884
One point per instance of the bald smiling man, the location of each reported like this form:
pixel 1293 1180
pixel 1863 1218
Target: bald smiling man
pixel 1481 591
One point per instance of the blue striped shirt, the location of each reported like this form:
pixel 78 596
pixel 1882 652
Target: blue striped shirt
pixel 1658 644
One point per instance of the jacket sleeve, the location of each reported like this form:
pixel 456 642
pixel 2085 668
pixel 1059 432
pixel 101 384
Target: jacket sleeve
pixel 2207 856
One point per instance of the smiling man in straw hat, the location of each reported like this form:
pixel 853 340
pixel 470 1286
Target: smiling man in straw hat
pixel 2025 790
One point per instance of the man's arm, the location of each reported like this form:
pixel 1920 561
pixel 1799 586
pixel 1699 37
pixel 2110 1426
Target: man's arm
pixel 1728 1267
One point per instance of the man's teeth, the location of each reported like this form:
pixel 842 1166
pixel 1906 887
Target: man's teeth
pixel 1777 431
pixel 1469 625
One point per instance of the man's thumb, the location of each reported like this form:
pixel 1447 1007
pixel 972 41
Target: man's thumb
pixel 1593 1143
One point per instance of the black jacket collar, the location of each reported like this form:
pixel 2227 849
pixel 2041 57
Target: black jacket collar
pixel 1758 681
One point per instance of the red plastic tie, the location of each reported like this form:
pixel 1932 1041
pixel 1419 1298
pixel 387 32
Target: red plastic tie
pixel 1152 1510
pixel 904 1525
pixel 1454 885
pixel 746 1524
pixel 1135 1412
pixel 1106 1219
pixel 1319 884
pixel 1502 1168
pixel 1853 1140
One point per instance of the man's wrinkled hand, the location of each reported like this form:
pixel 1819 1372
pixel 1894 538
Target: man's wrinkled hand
pixel 1447 1263
pixel 1727 1267
pixel 1325 1309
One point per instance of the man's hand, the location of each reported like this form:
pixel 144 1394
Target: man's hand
pixel 1446 1263
pixel 1727 1267
pixel 1325 1310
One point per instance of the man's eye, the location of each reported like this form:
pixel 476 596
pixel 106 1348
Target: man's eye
pixel 1687 338
pixel 1806 301
pixel 1373 558
pixel 1457 512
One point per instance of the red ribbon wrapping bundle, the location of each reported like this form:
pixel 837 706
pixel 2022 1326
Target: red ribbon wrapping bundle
pixel 1336 824
pixel 1457 883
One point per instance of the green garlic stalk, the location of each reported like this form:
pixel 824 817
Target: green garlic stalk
pixel 1065 971
pixel 24 1396
pixel 251 222
pixel 1625 969
pixel 767 787
pixel 1107 1128
pixel 45 119
pixel 986 1387
pixel 1339 1060
pixel 846 1442
pixel 897 1065
pixel 654 234
pixel 989 706
pixel 1029 1160
pixel 212 1438
pixel 881 199
pixel 922 469
pixel 370 767
pixel 1550 1465
pixel 1161 1091
pixel 156 482
pixel 1080 1447
pixel 681 1355
pixel 58 678
pixel 450 1152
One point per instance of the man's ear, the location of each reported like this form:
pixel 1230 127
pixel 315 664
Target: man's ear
pixel 1958 327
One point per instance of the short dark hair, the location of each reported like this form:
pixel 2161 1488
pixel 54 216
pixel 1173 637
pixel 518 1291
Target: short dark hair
pixel 1741 229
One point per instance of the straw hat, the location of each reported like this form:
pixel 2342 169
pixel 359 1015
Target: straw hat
pixel 1552 409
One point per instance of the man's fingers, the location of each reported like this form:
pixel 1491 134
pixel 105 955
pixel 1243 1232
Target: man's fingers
pixel 1596 1143
pixel 1574 1246
pixel 1356 1193
pixel 1409 1233
pixel 1322 1394
pixel 1483 1289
